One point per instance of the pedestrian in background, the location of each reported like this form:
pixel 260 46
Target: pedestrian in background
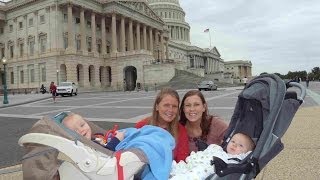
pixel 245 80
pixel 307 82
pixel 53 90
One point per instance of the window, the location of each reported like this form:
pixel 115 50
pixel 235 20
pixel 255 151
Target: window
pixel 65 42
pixel 42 19
pixel 78 41
pixel 77 20
pixel 11 51
pixel 98 27
pixel 21 46
pixel 11 77
pixel 20 25
pixel 89 24
pixel 43 74
pixel 107 29
pixel 10 28
pixel 99 48
pixel 31 48
pixel 89 44
pixel 2 52
pixel 32 75
pixel 43 42
pixel 1 30
pixel 21 77
pixel 31 22
pixel 65 18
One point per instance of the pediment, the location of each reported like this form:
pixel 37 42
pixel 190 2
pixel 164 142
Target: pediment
pixel 215 51
pixel 141 7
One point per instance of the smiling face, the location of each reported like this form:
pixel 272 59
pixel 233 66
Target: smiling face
pixel 239 144
pixel 193 108
pixel 77 123
pixel 167 109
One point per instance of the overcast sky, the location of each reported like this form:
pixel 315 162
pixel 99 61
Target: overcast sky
pixel 276 36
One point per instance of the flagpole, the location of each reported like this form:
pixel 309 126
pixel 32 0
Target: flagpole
pixel 210 38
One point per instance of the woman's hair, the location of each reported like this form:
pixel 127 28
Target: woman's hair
pixel 154 120
pixel 205 122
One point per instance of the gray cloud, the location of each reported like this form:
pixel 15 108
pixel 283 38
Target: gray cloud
pixel 277 36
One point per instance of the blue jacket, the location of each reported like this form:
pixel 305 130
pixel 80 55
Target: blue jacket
pixel 157 144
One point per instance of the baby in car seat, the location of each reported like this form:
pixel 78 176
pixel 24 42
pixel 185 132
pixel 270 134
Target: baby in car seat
pixel 76 123
pixel 143 139
pixel 198 165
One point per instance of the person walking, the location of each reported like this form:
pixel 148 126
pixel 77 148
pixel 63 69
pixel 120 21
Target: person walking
pixel 245 80
pixel 53 90
pixel 307 82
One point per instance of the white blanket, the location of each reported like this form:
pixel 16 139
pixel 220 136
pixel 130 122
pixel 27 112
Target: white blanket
pixel 197 165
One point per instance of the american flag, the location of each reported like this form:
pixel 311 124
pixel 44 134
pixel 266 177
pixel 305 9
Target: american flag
pixel 206 30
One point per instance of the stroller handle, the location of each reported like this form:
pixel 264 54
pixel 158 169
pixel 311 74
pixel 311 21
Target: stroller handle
pixel 301 88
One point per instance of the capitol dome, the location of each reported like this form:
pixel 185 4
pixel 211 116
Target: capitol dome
pixel 174 17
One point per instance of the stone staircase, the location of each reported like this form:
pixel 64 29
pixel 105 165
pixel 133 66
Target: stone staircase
pixel 187 80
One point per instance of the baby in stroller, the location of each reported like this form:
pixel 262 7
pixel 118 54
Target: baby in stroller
pixel 198 164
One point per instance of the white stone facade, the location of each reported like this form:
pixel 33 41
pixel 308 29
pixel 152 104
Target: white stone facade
pixel 239 68
pixel 91 42
pixel 99 44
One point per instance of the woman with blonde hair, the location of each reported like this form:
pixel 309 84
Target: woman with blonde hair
pixel 165 114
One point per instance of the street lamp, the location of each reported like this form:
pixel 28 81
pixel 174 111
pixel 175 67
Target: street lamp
pixel 57 77
pixel 5 91
pixel 158 49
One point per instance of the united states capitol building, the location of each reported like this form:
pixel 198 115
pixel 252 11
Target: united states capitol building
pixel 103 44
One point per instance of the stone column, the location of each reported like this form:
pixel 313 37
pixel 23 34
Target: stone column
pixel 177 32
pixel 70 29
pixel 122 35
pixel 151 39
pixel 26 43
pixel 162 46
pixel 93 28
pixel 114 34
pixel 182 33
pixel 36 39
pixel 103 35
pixel 145 45
pixel 130 36
pixel 167 49
pixel 138 36
pixel 83 31
pixel 156 38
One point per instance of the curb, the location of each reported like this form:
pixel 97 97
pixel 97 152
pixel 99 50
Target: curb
pixel 24 102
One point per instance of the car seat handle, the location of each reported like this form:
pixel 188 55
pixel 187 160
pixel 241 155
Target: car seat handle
pixel 85 157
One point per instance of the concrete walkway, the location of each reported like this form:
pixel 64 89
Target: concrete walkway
pixel 300 158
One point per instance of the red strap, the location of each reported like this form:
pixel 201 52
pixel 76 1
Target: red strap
pixel 119 167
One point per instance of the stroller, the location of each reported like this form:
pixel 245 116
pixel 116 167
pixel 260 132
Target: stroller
pixel 55 152
pixel 264 111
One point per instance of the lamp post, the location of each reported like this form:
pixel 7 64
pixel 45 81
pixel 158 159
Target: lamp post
pixel 5 91
pixel 57 77
pixel 158 49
